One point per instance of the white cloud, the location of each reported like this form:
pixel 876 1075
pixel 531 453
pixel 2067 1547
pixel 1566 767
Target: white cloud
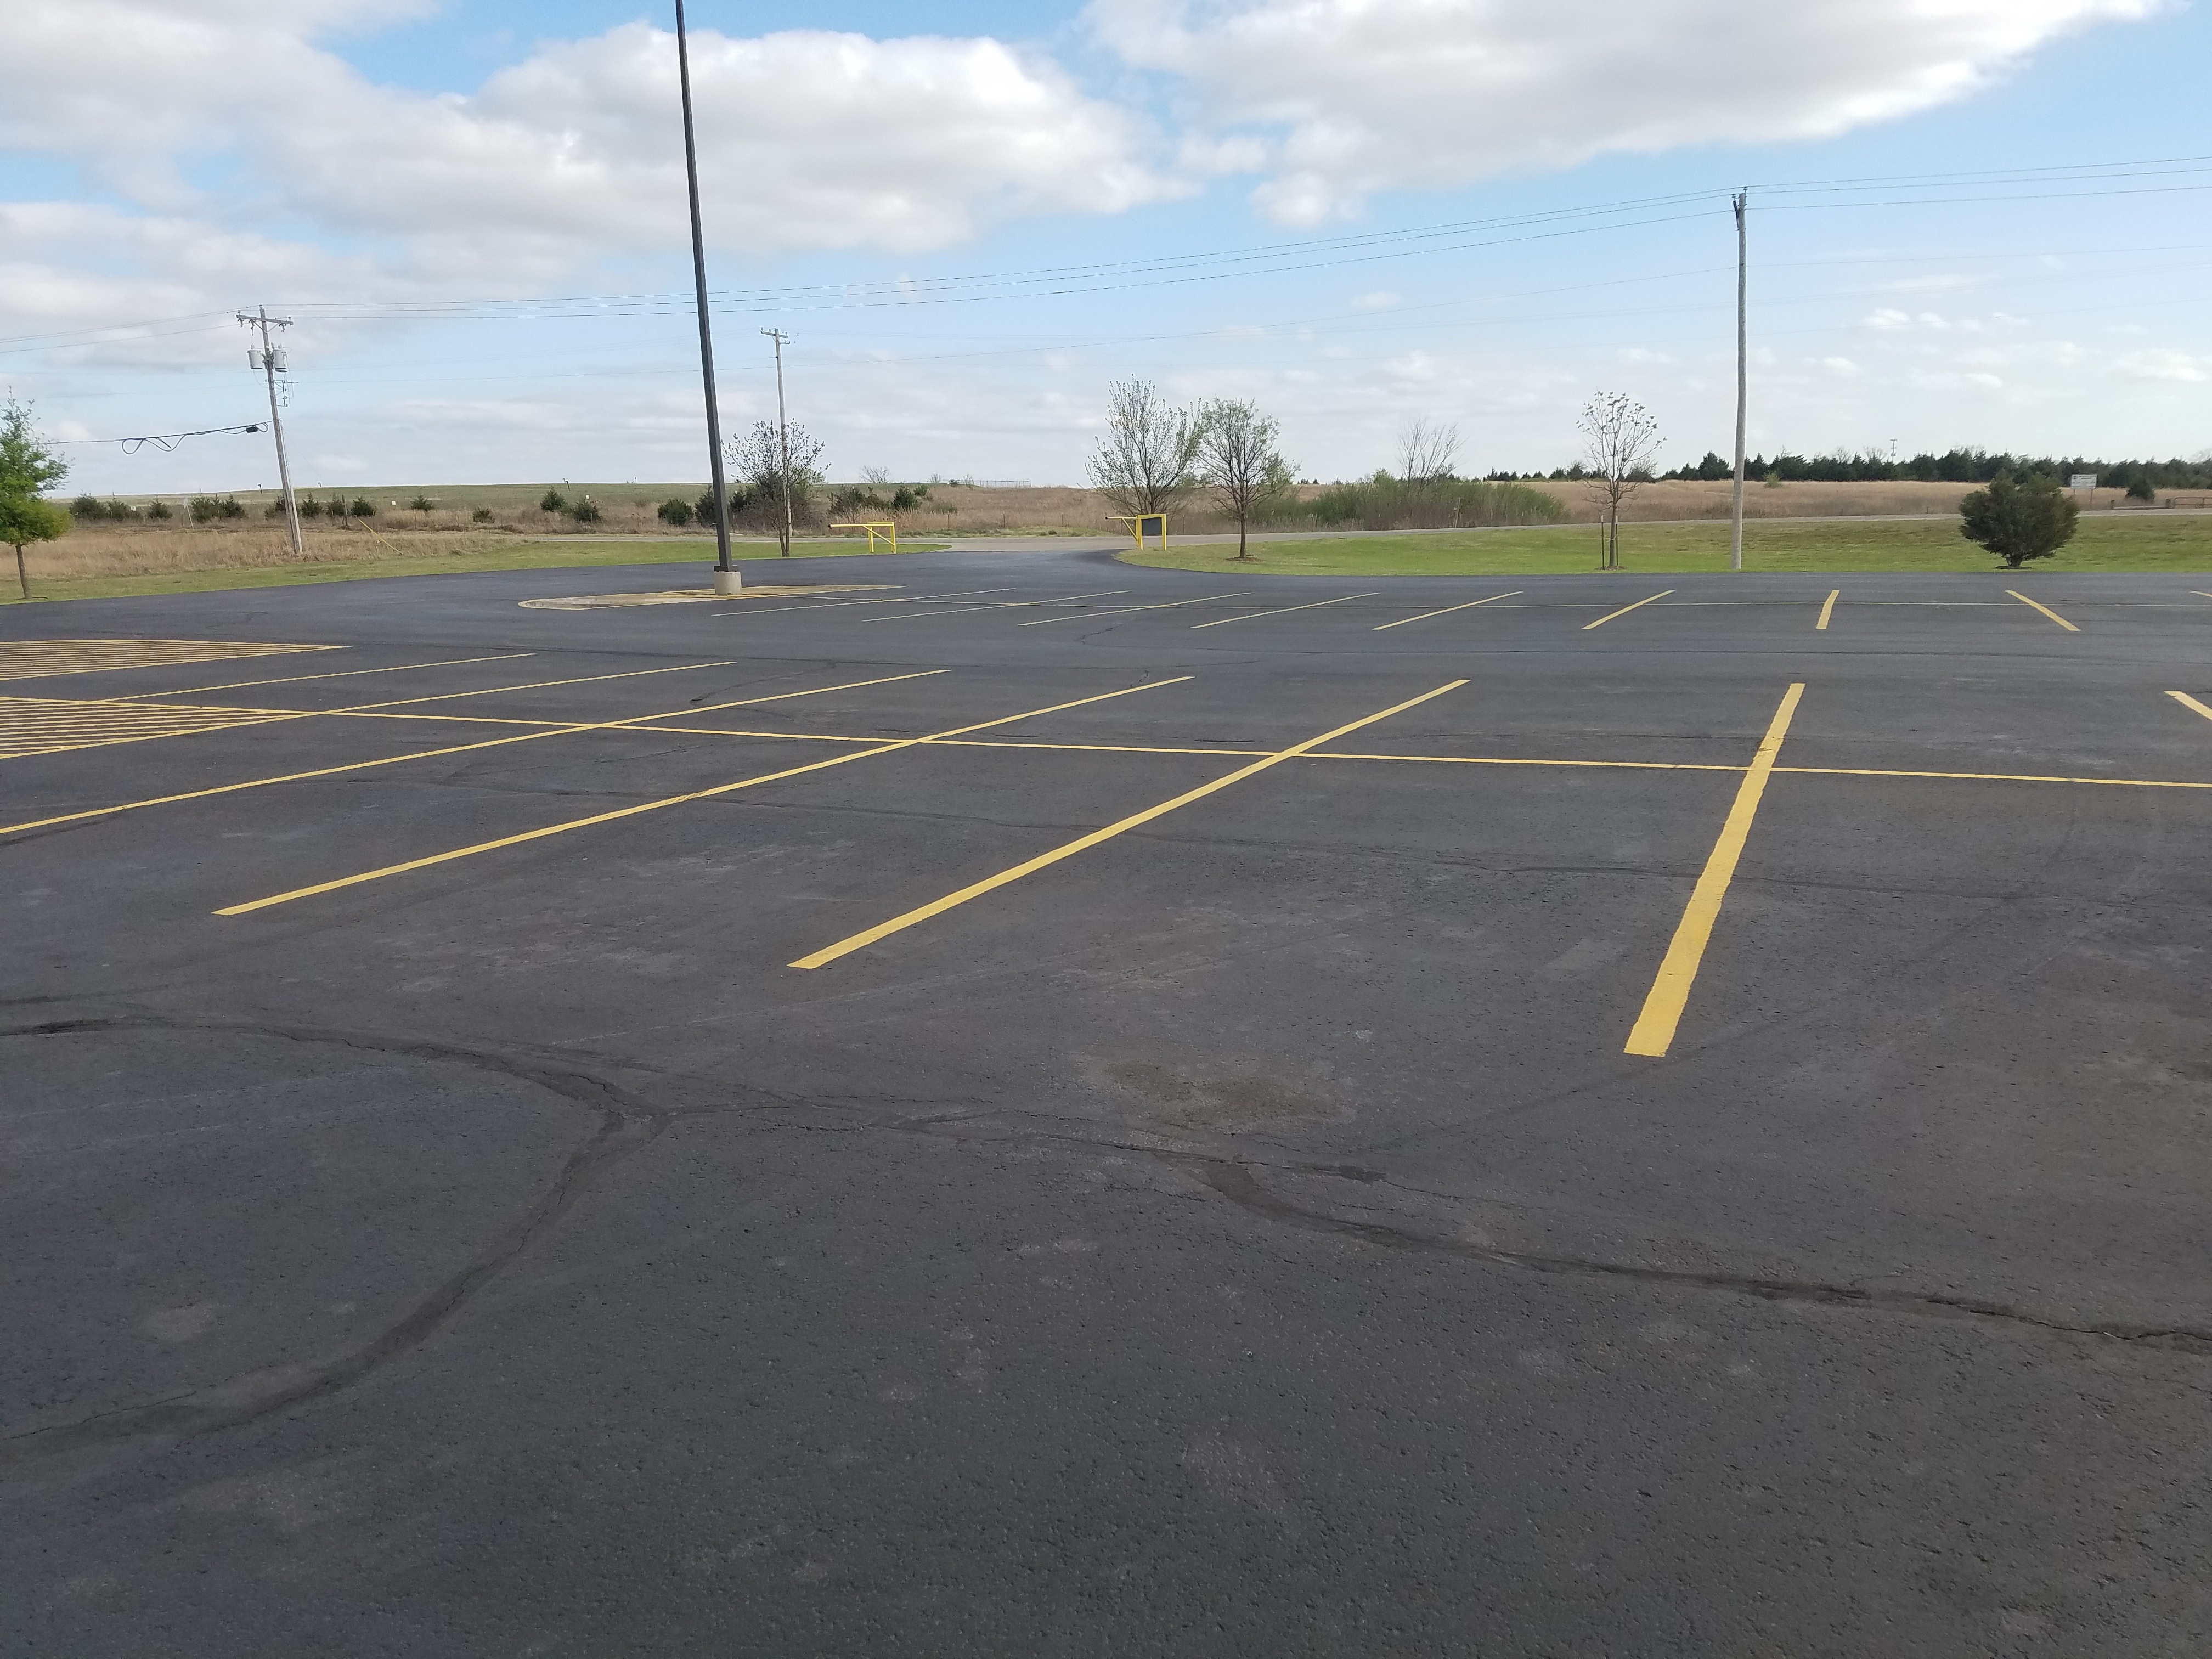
pixel 1357 96
pixel 2165 366
pixel 809 139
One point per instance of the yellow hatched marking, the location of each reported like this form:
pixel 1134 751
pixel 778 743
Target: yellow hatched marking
pixel 32 659
pixel 1447 611
pixel 1654 1033
pixel 991 884
pixel 635 721
pixel 1828 608
pixel 1624 610
pixel 673 800
pixel 48 726
pixel 2045 609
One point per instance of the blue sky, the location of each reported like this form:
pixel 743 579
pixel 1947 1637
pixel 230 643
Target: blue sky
pixel 382 170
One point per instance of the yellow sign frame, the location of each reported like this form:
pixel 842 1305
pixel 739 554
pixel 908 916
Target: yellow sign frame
pixel 1140 523
pixel 883 527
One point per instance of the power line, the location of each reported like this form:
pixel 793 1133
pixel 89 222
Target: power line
pixel 162 441
pixel 1218 264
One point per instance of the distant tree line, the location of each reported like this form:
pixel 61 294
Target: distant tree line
pixel 1969 466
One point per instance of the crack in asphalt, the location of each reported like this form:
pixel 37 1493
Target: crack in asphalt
pixel 627 1123
pixel 1235 1182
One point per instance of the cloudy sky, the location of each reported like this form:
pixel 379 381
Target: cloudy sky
pixel 1972 221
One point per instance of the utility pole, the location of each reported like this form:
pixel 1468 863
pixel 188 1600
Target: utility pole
pixel 782 434
pixel 1735 500
pixel 726 577
pixel 268 360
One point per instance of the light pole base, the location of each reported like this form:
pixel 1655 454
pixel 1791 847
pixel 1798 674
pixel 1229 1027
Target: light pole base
pixel 729 583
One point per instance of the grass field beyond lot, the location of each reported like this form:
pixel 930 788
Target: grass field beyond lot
pixel 521 555
pixel 2145 541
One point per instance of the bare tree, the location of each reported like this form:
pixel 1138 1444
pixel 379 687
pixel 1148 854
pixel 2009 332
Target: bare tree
pixel 1620 441
pixel 1143 464
pixel 1238 460
pixel 1426 450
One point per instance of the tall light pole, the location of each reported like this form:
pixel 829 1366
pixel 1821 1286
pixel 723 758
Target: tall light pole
pixel 782 434
pixel 268 360
pixel 726 577
pixel 1735 500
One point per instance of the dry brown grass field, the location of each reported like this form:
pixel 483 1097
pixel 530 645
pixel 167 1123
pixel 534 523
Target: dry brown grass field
pixel 104 548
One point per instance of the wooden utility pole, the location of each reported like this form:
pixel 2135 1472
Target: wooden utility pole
pixel 1736 500
pixel 268 360
pixel 782 434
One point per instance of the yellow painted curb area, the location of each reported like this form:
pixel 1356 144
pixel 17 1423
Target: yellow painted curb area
pixel 695 595
pixel 33 659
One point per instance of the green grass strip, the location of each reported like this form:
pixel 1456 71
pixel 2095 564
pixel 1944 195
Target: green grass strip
pixel 2148 541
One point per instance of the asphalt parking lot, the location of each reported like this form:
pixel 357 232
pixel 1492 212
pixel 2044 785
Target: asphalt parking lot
pixel 1013 1105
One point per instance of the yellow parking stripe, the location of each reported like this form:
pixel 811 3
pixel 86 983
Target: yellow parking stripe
pixel 636 722
pixel 1130 610
pixel 1447 611
pixel 671 800
pixel 1623 611
pixel 341 674
pixel 1654 1032
pixel 1253 616
pixel 990 884
pixel 2046 611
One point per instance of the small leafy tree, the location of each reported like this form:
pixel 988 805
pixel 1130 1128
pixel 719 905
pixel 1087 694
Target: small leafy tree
pixel 480 515
pixel 676 512
pixel 421 504
pixel 758 458
pixel 310 508
pixel 160 510
pixel 1238 460
pixel 1620 441
pixel 363 508
pixel 87 507
pixel 25 519
pixel 552 501
pixel 586 511
pixel 2020 520
pixel 2141 489
pixel 27 467
pixel 1144 463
